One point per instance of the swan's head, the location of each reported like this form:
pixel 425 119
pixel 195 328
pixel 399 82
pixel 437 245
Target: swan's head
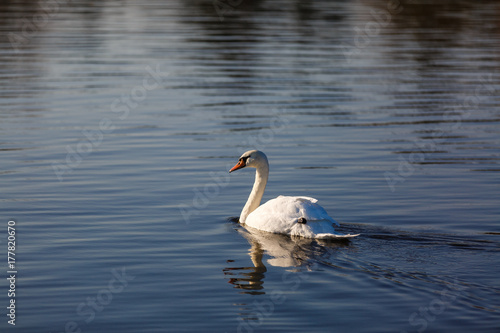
pixel 251 158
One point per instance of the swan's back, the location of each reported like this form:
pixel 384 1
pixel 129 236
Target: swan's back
pixel 283 215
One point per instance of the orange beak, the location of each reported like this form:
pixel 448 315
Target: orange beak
pixel 239 165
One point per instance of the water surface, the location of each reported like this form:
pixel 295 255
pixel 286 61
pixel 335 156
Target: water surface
pixel 120 120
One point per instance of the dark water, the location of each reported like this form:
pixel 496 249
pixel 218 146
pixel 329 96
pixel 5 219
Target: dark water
pixel 120 119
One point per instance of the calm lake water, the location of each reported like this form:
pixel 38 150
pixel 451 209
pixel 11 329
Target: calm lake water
pixel 120 120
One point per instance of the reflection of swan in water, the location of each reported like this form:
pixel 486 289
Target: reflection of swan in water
pixel 250 279
pixel 283 251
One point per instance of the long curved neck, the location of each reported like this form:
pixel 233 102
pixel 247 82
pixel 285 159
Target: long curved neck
pixel 255 197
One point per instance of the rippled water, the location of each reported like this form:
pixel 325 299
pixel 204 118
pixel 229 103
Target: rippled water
pixel 119 121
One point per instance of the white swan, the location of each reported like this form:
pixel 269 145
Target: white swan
pixel 294 216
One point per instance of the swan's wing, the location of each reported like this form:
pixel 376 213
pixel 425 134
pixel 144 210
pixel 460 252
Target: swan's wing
pixel 300 199
pixel 305 207
pixel 281 214
pixel 276 216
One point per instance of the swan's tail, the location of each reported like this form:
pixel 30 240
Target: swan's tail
pixel 334 236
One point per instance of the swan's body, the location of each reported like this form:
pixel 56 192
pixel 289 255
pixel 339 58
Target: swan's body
pixel 294 216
